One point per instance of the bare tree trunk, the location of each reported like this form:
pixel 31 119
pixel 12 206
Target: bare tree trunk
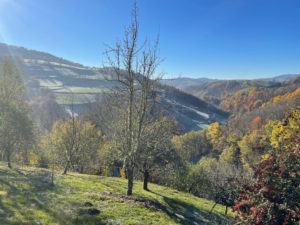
pixel 226 210
pixel 192 187
pixel 130 138
pixel 52 175
pixel 66 168
pixel 146 178
pixel 213 208
pixel 8 159
pixel 130 181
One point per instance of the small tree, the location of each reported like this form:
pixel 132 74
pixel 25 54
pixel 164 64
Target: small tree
pixel 226 182
pixel 215 180
pixel 75 142
pixel 193 145
pixel 87 159
pixel 216 136
pixel 156 147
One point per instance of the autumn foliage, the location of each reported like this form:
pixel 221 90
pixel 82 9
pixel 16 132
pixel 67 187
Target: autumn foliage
pixel 246 100
pixel 287 95
pixel 275 196
pixel 257 123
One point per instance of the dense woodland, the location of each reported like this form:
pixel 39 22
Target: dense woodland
pixel 250 163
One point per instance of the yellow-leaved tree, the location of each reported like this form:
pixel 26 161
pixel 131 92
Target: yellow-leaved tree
pixel 216 137
pixel 251 150
pixel 192 145
pixel 74 144
pixel 279 132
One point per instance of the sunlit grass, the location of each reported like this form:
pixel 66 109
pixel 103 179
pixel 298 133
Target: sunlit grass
pixel 27 197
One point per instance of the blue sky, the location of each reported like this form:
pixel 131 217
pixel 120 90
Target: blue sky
pixel 198 38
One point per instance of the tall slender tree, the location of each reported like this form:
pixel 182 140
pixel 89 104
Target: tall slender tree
pixel 16 129
pixel 133 69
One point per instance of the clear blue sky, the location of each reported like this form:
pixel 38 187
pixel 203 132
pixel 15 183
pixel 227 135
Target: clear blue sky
pixel 210 38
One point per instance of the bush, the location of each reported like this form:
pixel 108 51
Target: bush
pixel 275 196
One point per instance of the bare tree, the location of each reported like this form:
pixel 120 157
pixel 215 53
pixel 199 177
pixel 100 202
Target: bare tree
pixel 133 70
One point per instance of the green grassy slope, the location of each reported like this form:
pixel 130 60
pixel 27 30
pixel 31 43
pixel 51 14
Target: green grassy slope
pixel 26 197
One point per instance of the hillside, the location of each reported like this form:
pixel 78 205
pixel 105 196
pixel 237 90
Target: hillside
pixel 27 197
pixel 63 77
pixel 240 96
pixel 237 96
pixel 23 53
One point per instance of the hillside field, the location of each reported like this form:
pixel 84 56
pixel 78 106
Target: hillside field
pixel 27 197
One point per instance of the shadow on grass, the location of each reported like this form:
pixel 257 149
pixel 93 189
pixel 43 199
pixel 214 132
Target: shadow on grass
pixel 186 213
pixel 29 191
pixel 22 191
pixel 5 213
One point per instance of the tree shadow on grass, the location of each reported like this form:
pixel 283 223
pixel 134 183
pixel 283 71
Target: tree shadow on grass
pixel 24 191
pixel 5 213
pixel 186 213
pixel 29 191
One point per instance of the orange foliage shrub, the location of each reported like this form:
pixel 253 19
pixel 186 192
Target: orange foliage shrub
pixel 257 123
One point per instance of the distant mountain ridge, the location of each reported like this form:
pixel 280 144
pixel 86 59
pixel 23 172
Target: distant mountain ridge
pixel 281 78
pixel 184 82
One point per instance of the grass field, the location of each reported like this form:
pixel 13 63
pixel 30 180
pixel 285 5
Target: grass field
pixel 77 98
pixel 78 95
pixel 27 197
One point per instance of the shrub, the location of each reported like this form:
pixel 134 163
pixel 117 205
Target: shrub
pixel 275 196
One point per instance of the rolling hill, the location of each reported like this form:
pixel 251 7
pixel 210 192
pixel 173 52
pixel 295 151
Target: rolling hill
pixel 63 77
pixel 239 96
pixel 185 83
